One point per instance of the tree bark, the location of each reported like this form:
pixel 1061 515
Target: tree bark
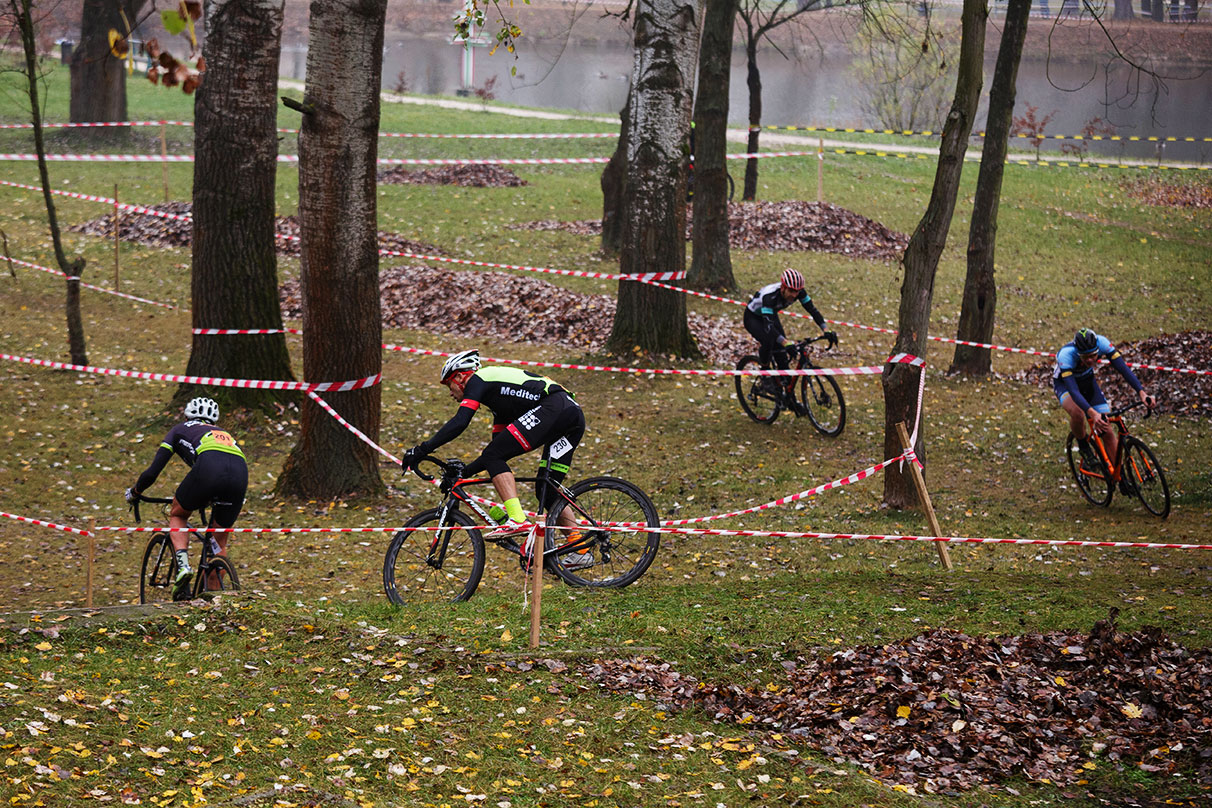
pixel 920 261
pixel 98 79
pixel 979 304
pixel 75 268
pixel 342 325
pixel 666 50
pixel 711 260
pixel 235 269
pixel 753 80
pixel 614 183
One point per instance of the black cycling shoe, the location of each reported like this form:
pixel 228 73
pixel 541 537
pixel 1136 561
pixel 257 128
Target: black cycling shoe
pixel 1126 488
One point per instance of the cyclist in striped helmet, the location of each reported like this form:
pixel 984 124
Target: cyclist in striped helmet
pixel 762 318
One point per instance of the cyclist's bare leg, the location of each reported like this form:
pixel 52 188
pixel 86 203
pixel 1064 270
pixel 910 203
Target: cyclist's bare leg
pixel 212 577
pixel 178 521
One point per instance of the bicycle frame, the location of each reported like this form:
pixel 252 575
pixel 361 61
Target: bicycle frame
pixel 458 493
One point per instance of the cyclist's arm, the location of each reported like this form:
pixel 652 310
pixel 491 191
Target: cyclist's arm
pixel 810 307
pixel 1117 362
pixel 1070 382
pixel 452 428
pixel 149 475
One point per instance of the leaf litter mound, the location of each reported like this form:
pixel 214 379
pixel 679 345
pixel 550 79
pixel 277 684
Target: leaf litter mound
pixel 157 231
pixel 467 176
pixel 519 309
pixel 791 226
pixel 1169 193
pixel 948 711
pixel 1176 393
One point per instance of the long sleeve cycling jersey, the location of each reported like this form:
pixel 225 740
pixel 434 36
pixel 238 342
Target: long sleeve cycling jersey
pixel 187 440
pixel 1070 375
pixel 508 392
pixel 768 301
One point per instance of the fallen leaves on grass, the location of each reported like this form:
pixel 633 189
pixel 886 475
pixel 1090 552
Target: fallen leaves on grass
pixel 1177 393
pixel 521 309
pixel 1169 193
pixel 792 226
pixel 468 176
pixel 147 228
pixel 949 711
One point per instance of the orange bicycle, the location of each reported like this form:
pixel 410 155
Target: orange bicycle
pixel 1135 469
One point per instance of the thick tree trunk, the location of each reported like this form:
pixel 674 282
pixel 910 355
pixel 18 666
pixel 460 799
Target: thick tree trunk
pixel 900 381
pixel 614 184
pixel 666 49
pixel 98 79
pixel 980 286
pixel 342 325
pixel 235 269
pixel 711 260
pixel 1123 11
pixel 75 268
pixel 753 78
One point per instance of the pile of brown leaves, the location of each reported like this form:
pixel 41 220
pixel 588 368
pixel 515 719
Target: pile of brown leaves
pixel 790 226
pixel 521 309
pixel 949 711
pixel 473 176
pixel 1169 193
pixel 1177 393
pixel 146 228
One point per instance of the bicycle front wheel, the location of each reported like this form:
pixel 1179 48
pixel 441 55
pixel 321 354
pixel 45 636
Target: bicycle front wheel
pixel 1095 484
pixel 159 571
pixel 434 566
pixel 1144 473
pixel 759 395
pixel 826 407
pixel 593 556
pixel 218 576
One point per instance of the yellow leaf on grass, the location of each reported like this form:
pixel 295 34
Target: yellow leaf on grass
pixel 1131 710
pixel 902 711
pixel 43 646
pixel 506 635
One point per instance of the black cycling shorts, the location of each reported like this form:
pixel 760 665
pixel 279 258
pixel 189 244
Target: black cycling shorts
pixel 557 422
pixel 218 479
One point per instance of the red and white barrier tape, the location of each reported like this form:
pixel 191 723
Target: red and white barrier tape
pixel 91 286
pixel 97 124
pixel 105 199
pixel 359 434
pixel 511 136
pixel 41 523
pixel 266 384
pixel 209 332
pixel 646 277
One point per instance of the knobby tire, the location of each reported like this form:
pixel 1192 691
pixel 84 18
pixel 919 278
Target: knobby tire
pixel 1144 474
pixel 826 407
pixel 758 394
pixel 618 557
pixel 1096 489
pixel 408 576
pixel 159 570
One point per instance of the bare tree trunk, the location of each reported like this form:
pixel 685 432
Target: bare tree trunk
pixel 666 49
pixel 614 183
pixel 754 81
pixel 979 305
pixel 1123 11
pixel 342 324
pixel 98 79
pixel 711 260
pixel 235 269
pixel 900 381
pixel 75 268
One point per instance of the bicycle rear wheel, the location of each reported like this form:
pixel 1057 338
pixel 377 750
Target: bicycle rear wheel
pixel 1144 473
pixel 826 407
pixel 1095 485
pixel 425 566
pixel 759 395
pixel 159 570
pixel 603 558
pixel 225 573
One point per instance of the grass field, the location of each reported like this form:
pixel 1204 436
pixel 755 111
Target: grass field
pixel 310 689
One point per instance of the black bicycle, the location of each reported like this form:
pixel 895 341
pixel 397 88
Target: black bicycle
pixel 213 572
pixel 820 398
pixel 609 546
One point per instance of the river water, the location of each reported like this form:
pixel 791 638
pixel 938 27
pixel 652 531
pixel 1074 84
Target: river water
pixel 815 92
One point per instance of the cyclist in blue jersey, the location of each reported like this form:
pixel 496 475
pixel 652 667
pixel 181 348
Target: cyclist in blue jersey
pixel 218 476
pixel 529 411
pixel 1080 396
pixel 762 321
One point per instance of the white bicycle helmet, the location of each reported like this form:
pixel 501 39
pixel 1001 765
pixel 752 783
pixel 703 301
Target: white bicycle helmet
pixel 203 408
pixel 464 360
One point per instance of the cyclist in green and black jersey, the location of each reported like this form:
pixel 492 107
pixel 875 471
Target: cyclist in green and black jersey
pixel 218 476
pixel 528 410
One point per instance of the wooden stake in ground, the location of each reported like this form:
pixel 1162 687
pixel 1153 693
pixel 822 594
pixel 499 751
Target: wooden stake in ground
pixel 117 236
pixel 92 552
pixel 536 584
pixel 820 170
pixel 164 154
pixel 8 257
pixel 923 496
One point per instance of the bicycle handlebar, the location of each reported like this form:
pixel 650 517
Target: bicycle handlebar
pixel 804 343
pixel 450 468
pixel 1134 405
pixel 134 504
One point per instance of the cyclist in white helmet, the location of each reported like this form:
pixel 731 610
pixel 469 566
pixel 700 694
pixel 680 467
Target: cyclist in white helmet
pixel 528 410
pixel 218 476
